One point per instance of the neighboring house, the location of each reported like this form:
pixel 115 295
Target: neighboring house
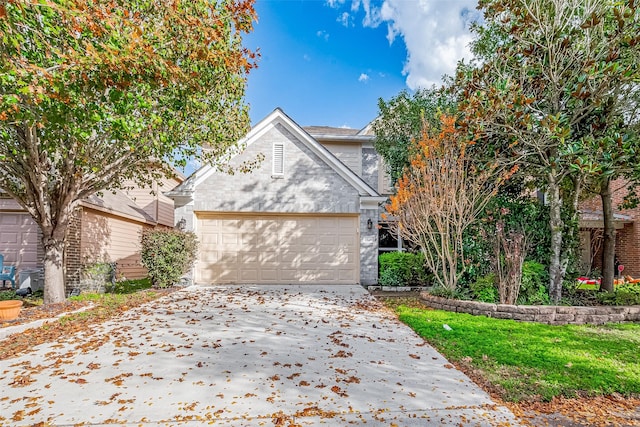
pixel 627 233
pixel 307 214
pixel 105 229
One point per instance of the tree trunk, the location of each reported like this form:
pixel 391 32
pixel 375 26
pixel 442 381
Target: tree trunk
pixel 609 238
pixel 53 270
pixel 54 243
pixel 556 272
pixel 53 276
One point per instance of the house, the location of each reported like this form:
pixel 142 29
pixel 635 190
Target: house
pixel 627 233
pixel 308 213
pixel 105 229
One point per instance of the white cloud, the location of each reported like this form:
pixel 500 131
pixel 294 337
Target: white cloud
pixel 323 35
pixel 372 16
pixel 363 78
pixel 435 33
pixel 335 4
pixel 344 19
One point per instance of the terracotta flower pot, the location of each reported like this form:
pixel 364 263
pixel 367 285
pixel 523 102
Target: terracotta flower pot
pixel 9 310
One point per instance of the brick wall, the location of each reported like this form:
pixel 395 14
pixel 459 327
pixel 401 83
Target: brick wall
pixel 73 256
pixel 370 163
pixel 628 237
pixel 369 247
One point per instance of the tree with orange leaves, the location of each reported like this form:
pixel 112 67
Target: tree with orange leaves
pixel 94 93
pixel 440 194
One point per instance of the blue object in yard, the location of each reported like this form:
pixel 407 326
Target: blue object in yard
pixel 7 272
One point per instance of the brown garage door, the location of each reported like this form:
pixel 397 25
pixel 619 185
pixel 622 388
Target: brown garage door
pixel 18 240
pixel 284 249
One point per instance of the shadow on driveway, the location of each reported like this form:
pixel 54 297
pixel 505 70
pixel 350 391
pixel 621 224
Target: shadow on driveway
pixel 245 356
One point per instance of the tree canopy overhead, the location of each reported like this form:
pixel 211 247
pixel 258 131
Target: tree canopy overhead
pixel 92 93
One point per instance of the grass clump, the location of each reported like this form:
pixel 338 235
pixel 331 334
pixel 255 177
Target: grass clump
pixel 531 361
pixel 130 286
pixel 8 295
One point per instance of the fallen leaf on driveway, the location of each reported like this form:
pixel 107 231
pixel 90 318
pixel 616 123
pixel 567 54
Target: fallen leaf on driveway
pixel 337 390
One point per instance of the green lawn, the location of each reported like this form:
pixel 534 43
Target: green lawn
pixel 527 361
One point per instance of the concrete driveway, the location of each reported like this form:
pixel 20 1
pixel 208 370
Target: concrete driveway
pixel 245 356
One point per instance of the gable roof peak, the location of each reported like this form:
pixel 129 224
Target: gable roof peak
pixel 279 117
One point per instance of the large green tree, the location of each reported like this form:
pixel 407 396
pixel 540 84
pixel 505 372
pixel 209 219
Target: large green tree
pixel 552 64
pixel 400 122
pixel 92 93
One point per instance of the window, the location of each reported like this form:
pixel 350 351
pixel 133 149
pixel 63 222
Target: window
pixel 278 159
pixel 388 241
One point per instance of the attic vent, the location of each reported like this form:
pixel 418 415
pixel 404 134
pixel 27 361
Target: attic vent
pixel 278 159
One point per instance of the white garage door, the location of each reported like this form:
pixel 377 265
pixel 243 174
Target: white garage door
pixel 279 249
pixel 18 240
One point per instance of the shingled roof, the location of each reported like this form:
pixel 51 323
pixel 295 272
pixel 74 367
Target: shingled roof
pixel 328 130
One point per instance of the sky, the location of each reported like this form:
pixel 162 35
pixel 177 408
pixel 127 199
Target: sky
pixel 327 62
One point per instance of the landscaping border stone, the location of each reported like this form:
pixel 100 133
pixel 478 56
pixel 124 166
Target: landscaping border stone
pixel 398 289
pixel 550 314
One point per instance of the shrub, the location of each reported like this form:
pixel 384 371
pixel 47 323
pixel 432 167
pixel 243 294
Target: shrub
pixel 97 277
pixel 534 289
pixel 390 278
pixel 572 295
pixel 402 269
pixel 168 254
pixel 627 294
pixel 8 295
pixel 100 270
pixel 459 294
pixel 516 213
pixel 484 289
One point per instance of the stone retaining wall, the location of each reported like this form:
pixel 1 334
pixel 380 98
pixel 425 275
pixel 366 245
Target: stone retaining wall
pixel 553 315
